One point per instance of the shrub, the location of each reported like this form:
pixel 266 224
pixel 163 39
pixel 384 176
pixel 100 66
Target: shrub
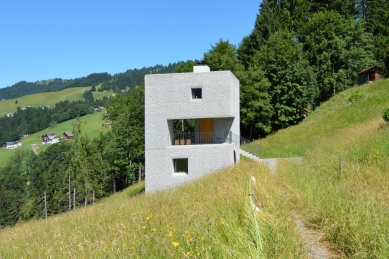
pixel 385 114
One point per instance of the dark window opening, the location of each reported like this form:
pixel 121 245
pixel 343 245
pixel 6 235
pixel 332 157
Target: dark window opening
pixel 180 165
pixel 197 93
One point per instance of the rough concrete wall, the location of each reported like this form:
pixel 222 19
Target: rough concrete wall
pixel 171 95
pixel 202 159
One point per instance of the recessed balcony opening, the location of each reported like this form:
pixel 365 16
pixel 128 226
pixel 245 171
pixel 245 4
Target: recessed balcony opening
pixel 199 131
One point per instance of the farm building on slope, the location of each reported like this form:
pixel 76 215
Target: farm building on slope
pixel 211 100
pixel 369 75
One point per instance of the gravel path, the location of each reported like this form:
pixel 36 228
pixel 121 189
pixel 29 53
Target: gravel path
pixel 314 246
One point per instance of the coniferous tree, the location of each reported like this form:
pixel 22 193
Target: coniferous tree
pixel 255 107
pixel 376 15
pixel 125 150
pixel 3 207
pixel 15 211
pixel 185 67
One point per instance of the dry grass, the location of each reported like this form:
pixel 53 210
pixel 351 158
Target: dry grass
pixel 209 218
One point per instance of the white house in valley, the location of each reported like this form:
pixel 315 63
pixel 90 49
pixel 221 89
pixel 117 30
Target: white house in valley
pixel 211 99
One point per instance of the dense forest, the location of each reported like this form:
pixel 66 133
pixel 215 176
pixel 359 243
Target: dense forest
pixel 298 55
pixel 117 82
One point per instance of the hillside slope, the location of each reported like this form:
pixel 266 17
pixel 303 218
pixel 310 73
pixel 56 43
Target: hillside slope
pixel 353 111
pixel 48 98
pixel 91 125
pixel 344 199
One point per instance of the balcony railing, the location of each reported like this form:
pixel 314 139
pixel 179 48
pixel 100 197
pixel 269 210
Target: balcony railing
pixel 198 138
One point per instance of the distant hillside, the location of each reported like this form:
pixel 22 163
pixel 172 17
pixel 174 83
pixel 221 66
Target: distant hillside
pixel 120 81
pixel 51 98
pixel 91 126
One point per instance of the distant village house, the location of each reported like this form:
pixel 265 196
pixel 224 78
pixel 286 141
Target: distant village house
pixel 10 114
pixel 67 135
pixel 50 138
pixel 98 109
pixel 12 144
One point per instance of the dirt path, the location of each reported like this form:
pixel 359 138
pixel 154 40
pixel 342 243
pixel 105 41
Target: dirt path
pixel 315 247
pixel 272 162
pixel 34 148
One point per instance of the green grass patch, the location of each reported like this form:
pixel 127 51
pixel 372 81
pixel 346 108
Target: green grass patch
pixel 48 98
pixel 344 198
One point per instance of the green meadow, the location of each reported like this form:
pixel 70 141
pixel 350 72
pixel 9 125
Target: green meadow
pixel 91 125
pixel 49 98
pixel 340 191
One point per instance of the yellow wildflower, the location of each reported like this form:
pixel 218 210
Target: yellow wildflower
pixel 175 244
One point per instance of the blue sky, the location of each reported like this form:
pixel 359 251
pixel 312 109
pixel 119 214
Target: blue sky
pixel 69 39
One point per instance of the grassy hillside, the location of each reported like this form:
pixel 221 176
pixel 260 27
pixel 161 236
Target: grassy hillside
pixel 91 125
pixel 347 200
pixel 353 112
pixel 49 98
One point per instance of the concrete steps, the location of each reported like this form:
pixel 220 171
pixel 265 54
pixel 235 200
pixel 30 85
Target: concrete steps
pixel 248 155
pixel 270 162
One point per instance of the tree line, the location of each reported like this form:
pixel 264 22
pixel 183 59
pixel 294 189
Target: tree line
pixel 117 82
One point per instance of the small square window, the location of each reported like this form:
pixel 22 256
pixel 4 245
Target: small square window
pixel 180 165
pixel 196 93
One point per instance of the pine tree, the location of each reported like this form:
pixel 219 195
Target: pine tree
pixel 125 150
pixel 3 207
pixel 15 211
pixel 376 15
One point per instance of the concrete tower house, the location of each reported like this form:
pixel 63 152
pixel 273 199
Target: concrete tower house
pixel 211 100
